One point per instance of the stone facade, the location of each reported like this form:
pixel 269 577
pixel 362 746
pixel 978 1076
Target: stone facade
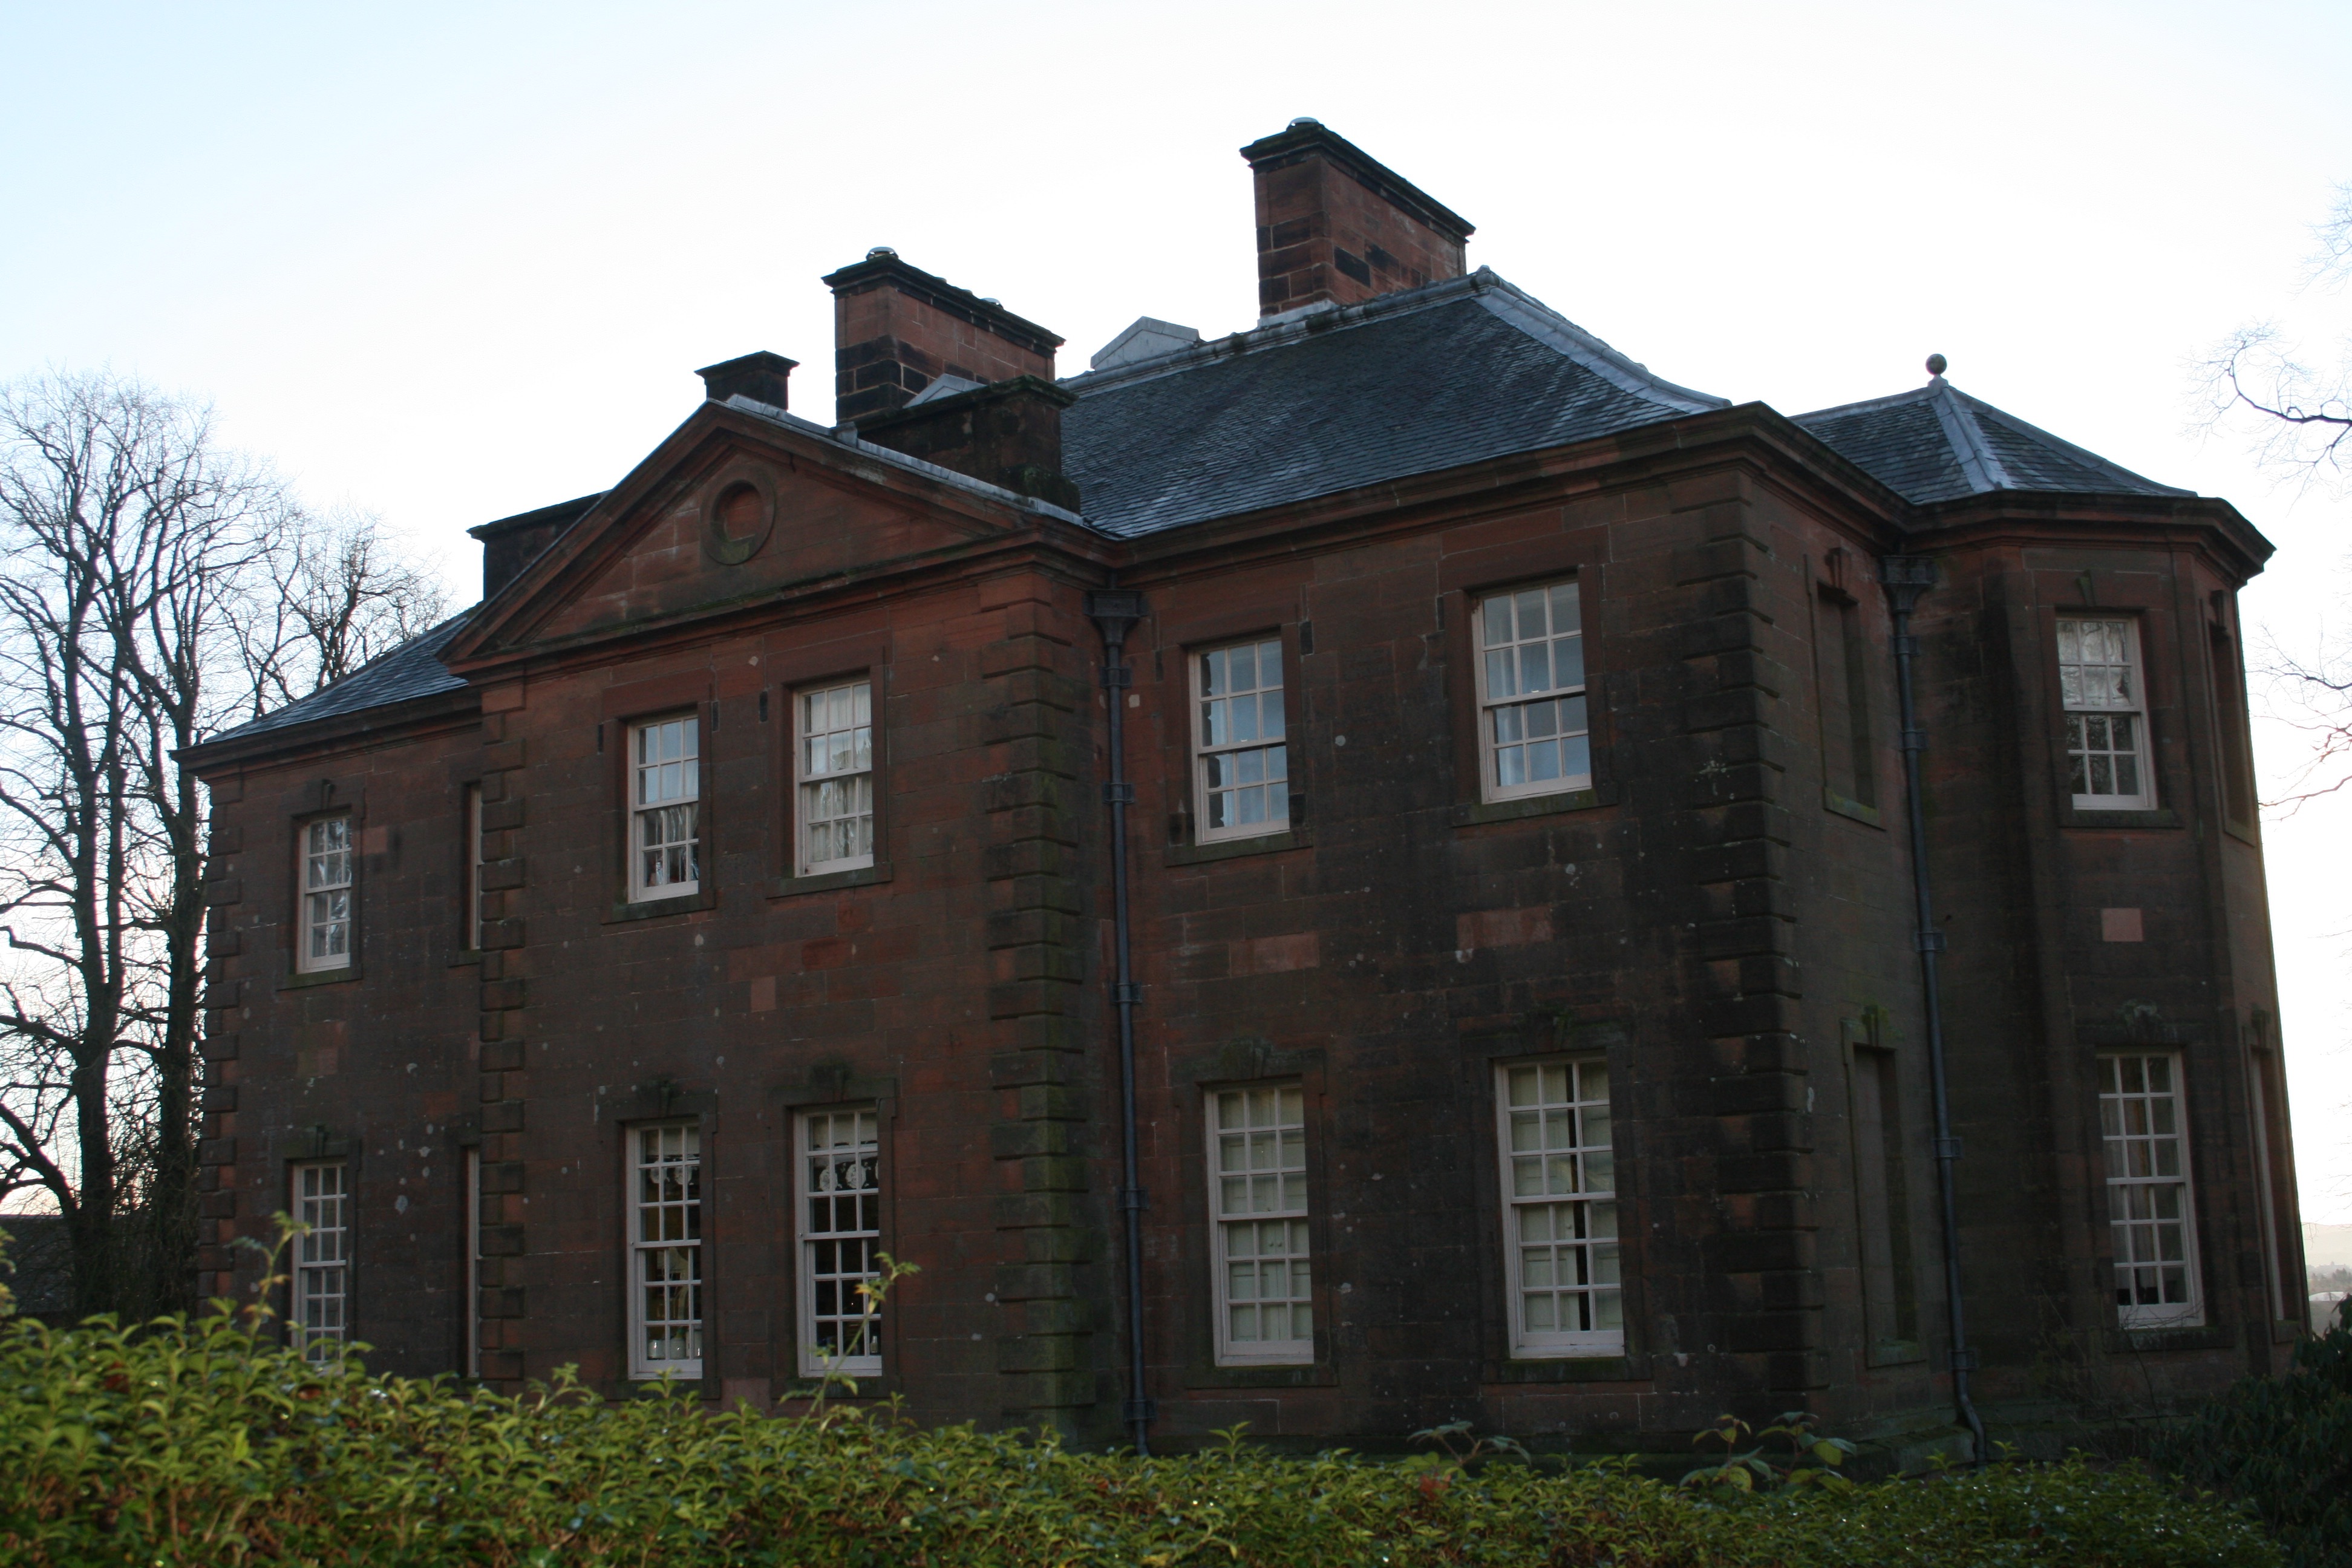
pixel 1722 915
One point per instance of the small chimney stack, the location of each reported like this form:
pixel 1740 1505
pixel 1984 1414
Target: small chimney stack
pixel 896 329
pixel 1335 224
pixel 512 543
pixel 763 378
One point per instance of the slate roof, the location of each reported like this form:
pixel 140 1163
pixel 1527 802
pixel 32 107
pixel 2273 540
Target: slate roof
pixel 1940 444
pixel 1327 400
pixel 413 670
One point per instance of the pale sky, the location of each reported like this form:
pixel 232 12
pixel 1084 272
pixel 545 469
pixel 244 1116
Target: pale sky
pixel 450 262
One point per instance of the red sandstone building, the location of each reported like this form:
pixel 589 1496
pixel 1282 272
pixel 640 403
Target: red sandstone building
pixel 1467 774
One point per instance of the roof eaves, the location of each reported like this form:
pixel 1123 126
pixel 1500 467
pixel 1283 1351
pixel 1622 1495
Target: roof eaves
pixel 846 436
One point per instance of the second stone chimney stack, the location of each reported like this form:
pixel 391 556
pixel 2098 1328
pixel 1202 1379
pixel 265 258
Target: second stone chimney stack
pixel 1333 223
pixel 896 329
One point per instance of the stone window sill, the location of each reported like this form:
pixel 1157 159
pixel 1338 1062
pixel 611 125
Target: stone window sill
pixel 830 881
pixel 2078 817
pixel 1846 806
pixel 1571 1369
pixel 655 909
pixel 2203 1337
pixel 1231 848
pixel 1475 813
pixel 301 979
pixel 1316 1374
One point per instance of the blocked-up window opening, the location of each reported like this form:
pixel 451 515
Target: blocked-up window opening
pixel 1882 1191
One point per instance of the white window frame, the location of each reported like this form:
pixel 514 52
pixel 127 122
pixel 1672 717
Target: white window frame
pixel 1598 1251
pixel 2135 1152
pixel 1257 1179
pixel 473 867
pixel 653 791
pixel 327 860
pixel 837 1176
pixel 671 1259
pixel 1514 682
pixel 2086 707
pixel 1243 755
pixel 319 1312
pixel 831 759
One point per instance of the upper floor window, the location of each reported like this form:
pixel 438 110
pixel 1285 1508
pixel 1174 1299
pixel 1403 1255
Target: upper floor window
pixel 664 820
pixel 2150 1213
pixel 1263 1291
pixel 322 1257
pixel 1241 764
pixel 665 1209
pixel 841 1236
pixel 834 761
pixel 1560 1209
pixel 325 942
pixel 2106 713
pixel 1533 735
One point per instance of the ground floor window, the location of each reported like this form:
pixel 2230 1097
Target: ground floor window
pixel 1560 1209
pixel 840 1207
pixel 322 1259
pixel 1257 1157
pixel 666 1251
pixel 2150 1210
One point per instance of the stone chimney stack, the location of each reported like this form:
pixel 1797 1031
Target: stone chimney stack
pixel 896 329
pixel 1333 223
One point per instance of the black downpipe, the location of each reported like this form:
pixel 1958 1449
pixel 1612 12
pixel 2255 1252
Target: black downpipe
pixel 1113 612
pixel 1905 577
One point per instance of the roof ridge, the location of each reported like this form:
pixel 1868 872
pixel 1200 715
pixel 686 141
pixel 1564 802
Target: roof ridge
pixel 1290 326
pixel 1977 407
pixel 1979 463
pixel 1511 303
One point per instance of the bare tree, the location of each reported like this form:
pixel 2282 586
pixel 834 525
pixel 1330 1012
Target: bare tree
pixel 141 566
pixel 2298 419
pixel 335 594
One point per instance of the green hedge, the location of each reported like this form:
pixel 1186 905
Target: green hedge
pixel 2284 1446
pixel 205 1445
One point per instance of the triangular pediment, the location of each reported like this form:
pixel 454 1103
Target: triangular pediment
pixel 741 505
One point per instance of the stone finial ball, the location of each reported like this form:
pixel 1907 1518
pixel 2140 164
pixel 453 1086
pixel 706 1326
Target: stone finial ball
pixel 1936 364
